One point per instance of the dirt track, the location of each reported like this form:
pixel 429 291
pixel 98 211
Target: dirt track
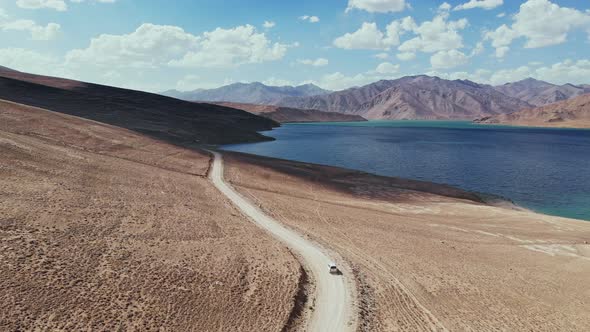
pixel 333 309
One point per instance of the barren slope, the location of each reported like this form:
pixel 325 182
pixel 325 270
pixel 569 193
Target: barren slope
pixel 571 113
pixel 103 229
pixel 429 262
pixel 174 120
pixel 290 115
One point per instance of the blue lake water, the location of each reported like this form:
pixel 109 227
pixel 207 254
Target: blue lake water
pixel 547 170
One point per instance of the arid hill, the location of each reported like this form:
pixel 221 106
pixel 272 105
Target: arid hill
pixel 104 229
pixel 161 117
pixel 539 93
pixel 288 114
pixel 573 113
pixel 414 97
pixel 252 93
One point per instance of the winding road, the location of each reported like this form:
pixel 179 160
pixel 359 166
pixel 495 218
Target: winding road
pixel 333 306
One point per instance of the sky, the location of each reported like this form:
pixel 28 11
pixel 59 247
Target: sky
pixel 157 45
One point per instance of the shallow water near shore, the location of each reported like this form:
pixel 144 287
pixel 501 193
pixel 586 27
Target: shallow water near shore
pixel 546 170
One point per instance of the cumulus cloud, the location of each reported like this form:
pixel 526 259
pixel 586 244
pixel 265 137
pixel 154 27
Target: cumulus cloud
pixel 31 61
pixel 269 24
pixel 484 4
pixel 542 23
pixel 151 46
pixel 448 59
pixel 406 56
pixel 387 68
pixel 339 81
pixel 148 46
pixel 59 5
pixel 368 36
pixel 232 47
pixel 436 35
pixel 273 81
pixel 38 32
pixel 377 6
pixel 319 62
pixel 381 56
pixel 309 18
pixel 568 71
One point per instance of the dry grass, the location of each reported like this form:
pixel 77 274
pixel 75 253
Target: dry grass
pixel 103 229
pixel 425 261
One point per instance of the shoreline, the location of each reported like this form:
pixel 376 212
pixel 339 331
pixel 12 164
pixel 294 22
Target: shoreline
pixel 489 198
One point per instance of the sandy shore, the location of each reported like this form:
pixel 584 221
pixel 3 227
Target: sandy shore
pixel 430 262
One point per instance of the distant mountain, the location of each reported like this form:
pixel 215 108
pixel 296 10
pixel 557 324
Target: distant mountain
pixel 573 112
pixel 413 97
pixel 539 93
pixel 253 93
pixel 290 115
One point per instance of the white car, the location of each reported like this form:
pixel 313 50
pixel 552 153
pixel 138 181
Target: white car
pixel 333 268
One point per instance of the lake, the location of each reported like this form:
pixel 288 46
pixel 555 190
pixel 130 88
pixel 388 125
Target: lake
pixel 546 170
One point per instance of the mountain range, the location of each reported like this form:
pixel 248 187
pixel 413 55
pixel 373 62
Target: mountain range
pixel 413 97
pixel 251 93
pixel 539 93
pixel 574 112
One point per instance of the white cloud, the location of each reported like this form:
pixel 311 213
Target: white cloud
pixel 377 6
pixel 368 36
pixel 232 47
pixel 31 61
pixel 151 46
pixel 273 81
pixel 445 6
pixel 319 62
pixel 339 81
pixel 501 15
pixel 448 59
pixel 309 18
pixel 381 56
pixel 542 23
pixel 387 68
pixel 147 47
pixel 484 4
pixel 59 5
pixel 568 71
pixel 38 32
pixel 478 49
pixel 269 24
pixel 406 56
pixel 436 35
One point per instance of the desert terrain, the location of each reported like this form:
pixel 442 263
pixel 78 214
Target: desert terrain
pixel 570 113
pixel 103 229
pixel 424 261
pixel 164 118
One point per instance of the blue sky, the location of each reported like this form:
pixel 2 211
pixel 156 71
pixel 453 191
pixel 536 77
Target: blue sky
pixel 157 45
